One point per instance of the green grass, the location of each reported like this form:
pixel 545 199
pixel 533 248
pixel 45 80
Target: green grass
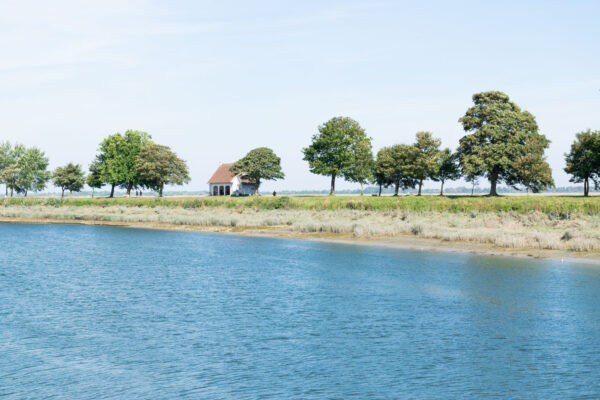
pixel 559 206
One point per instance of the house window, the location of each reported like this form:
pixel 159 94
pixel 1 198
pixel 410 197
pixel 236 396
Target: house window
pixel 215 190
pixel 221 190
pixel 227 191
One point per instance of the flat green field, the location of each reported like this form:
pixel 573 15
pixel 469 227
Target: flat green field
pixel 559 206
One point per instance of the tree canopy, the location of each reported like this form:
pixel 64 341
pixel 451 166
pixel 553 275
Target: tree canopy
pixel 116 161
pixel 70 177
pixel 447 168
pixel 332 151
pixel 424 160
pixel 499 134
pixel 23 169
pixel 362 166
pixel 390 167
pixel 260 164
pixel 583 160
pixel 157 166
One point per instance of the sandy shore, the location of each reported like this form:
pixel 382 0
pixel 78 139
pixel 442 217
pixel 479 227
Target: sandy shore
pixel 408 242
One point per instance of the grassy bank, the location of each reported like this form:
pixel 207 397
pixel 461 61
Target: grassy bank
pixel 533 231
pixel 562 207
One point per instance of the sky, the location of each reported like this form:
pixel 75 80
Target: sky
pixel 215 79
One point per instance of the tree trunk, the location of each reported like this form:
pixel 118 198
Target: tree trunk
pixel 442 189
pixel 93 193
pixel 396 188
pixel 129 186
pixel 420 186
pixel 112 190
pixel 493 183
pixel 586 187
pixel 257 186
pixel 160 190
pixel 62 195
pixel 473 189
pixel 380 190
pixel 332 191
pixel 26 190
pixel 362 188
pixel 70 193
pixel 11 192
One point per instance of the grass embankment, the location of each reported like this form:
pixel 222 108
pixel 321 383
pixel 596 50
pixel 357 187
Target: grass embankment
pixel 531 224
pixel 559 206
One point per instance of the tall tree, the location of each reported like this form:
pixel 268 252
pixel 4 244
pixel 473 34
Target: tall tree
pixel 447 168
pixel 499 133
pixel 391 166
pixel 70 177
pixel 32 168
pixel 362 165
pixel 134 140
pixel 6 160
pixel 331 152
pixel 379 172
pixel 11 172
pixel 158 166
pixel 117 158
pixel 424 161
pixel 94 179
pixel 583 161
pixel 10 177
pixel 531 168
pixel 260 164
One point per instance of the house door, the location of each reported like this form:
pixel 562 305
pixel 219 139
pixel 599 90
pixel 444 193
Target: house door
pixel 221 191
pixel 227 191
pixel 215 190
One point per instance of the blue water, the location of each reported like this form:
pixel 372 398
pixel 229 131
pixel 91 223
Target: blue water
pixel 101 312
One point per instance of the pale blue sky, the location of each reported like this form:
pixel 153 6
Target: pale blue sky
pixel 214 79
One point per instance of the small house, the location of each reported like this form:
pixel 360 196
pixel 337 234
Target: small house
pixel 225 183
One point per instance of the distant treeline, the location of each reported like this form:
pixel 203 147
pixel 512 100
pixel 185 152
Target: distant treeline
pixel 129 161
pixel 502 145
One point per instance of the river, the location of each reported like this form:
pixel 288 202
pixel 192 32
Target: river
pixel 91 312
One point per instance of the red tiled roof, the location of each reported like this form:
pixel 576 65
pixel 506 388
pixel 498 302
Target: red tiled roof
pixel 222 174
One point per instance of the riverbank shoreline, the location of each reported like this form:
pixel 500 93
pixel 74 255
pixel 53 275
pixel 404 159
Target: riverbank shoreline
pixel 404 242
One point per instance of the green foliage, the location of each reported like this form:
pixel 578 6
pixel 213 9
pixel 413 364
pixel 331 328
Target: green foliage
pixel 500 133
pixel 260 164
pixel 447 168
pixel 116 161
pixel 423 163
pixel 94 179
pixel 332 151
pixel 532 169
pixel 23 169
pixel 157 166
pixel 70 177
pixel 33 170
pixel 362 166
pixel 392 167
pixel 583 161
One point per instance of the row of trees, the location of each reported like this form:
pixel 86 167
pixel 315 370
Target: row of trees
pixel 23 169
pixel 502 144
pixel 130 161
